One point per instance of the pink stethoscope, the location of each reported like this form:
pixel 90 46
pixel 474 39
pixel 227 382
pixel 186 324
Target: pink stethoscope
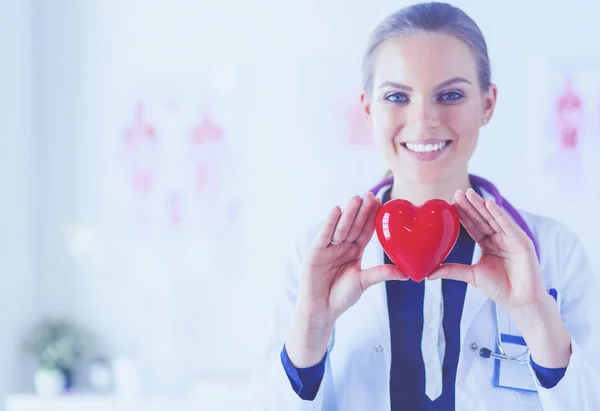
pixel 486 185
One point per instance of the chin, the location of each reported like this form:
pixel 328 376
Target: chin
pixel 427 174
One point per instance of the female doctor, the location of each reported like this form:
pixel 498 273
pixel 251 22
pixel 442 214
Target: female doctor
pixel 504 323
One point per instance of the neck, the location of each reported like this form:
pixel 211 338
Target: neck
pixel 418 193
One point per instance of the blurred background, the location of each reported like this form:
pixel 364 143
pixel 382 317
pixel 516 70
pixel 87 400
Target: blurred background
pixel 157 157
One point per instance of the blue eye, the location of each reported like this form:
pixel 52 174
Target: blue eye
pixel 397 98
pixel 450 96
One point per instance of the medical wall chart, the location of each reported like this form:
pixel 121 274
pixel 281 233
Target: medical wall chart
pixel 178 163
pixel 563 143
pixel 565 124
pixel 158 230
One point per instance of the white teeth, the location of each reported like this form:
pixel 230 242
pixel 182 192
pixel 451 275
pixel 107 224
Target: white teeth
pixel 425 148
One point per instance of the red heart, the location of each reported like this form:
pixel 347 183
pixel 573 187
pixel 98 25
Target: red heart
pixel 417 239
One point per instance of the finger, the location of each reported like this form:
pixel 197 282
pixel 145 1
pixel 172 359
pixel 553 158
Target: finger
pixel 369 228
pixel 504 221
pixel 348 215
pixel 376 275
pixel 466 221
pixel 474 215
pixel 326 233
pixel 479 204
pixel 451 271
pixel 361 217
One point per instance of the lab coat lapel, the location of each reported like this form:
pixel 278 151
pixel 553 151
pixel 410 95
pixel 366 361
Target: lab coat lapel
pixel 474 300
pixel 376 295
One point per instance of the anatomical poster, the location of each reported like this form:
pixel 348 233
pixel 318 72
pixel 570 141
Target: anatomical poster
pixel 565 120
pixel 163 231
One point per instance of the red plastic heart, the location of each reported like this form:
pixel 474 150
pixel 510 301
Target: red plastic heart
pixel 417 239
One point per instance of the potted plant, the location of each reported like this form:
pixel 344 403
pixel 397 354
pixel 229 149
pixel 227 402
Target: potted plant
pixel 57 345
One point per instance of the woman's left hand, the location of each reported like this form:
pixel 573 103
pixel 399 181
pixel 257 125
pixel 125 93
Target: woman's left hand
pixel 508 271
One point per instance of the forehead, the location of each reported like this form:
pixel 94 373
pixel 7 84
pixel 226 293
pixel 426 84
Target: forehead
pixel 423 59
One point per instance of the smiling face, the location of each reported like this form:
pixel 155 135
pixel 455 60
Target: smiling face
pixel 426 106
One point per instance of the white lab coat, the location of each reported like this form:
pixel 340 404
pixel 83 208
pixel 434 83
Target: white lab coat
pixel 357 372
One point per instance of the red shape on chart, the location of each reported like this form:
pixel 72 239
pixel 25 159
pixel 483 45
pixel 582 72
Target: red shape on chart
pixel 140 130
pixel 206 131
pixel 569 116
pixel 137 135
pixel 174 205
pixel 206 178
pixel 358 132
pixel 417 239
pixel 142 181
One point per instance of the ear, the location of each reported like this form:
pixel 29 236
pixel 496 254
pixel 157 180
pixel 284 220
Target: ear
pixel 366 106
pixel 489 103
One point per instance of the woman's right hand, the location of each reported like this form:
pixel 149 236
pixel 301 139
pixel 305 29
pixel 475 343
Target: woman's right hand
pixel 333 279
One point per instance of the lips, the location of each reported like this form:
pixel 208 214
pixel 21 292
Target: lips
pixel 426 150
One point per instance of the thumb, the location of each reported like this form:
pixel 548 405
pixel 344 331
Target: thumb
pixel 451 271
pixel 376 275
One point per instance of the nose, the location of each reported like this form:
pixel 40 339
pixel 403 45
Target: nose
pixel 423 115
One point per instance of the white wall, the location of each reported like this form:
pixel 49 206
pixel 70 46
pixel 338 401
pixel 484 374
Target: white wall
pixel 86 52
pixel 17 181
pixel 56 70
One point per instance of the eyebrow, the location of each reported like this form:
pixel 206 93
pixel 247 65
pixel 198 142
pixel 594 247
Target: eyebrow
pixel 443 84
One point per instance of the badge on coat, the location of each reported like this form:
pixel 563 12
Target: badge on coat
pixel 510 374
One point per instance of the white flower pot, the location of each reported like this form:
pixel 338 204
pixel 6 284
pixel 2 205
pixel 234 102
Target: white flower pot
pixel 49 382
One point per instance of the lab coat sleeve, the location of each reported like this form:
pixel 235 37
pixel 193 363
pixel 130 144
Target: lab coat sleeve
pixel 270 388
pixel 579 389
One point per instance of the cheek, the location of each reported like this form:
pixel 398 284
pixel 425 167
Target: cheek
pixel 463 122
pixel 387 121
